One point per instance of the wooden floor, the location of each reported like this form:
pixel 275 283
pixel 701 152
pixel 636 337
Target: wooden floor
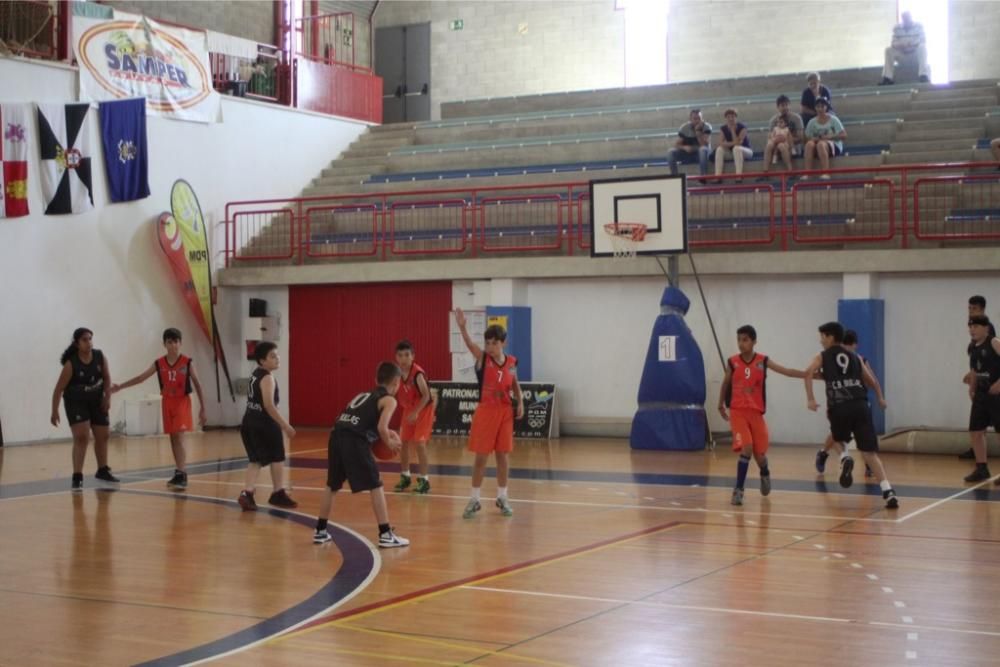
pixel 612 557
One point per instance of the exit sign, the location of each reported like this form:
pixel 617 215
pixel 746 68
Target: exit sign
pixel 457 24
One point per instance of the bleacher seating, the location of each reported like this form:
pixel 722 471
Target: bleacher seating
pixel 552 140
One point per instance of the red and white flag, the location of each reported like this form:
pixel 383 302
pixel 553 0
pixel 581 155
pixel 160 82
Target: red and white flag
pixel 14 160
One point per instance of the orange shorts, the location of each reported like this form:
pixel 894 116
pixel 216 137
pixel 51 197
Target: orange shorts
pixel 421 431
pixel 176 414
pixel 492 429
pixel 749 427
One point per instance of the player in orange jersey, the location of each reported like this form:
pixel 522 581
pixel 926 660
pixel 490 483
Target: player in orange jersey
pixel 177 377
pixel 744 392
pixel 417 402
pixel 492 428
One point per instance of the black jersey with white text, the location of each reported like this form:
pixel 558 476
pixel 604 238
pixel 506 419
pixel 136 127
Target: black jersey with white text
pixel 842 373
pixel 985 363
pixel 255 398
pixel 87 380
pixel 362 414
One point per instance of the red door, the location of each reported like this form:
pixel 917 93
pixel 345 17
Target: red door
pixel 339 333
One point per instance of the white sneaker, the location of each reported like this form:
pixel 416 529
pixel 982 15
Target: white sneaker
pixel 471 508
pixel 504 506
pixel 390 540
pixel 322 537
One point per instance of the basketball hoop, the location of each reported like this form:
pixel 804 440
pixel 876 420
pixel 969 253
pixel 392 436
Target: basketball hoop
pixel 625 237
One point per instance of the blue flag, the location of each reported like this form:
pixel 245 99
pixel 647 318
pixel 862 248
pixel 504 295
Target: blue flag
pixel 123 129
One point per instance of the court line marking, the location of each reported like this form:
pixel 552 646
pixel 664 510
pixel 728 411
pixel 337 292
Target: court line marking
pixel 376 568
pixel 936 503
pixel 439 642
pixel 728 610
pixel 666 605
pixel 447 587
pixel 386 656
pixel 570 503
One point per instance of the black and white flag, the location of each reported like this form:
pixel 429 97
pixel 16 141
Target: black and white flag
pixel 66 174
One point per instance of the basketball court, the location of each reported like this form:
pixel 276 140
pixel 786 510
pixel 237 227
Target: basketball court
pixel 612 557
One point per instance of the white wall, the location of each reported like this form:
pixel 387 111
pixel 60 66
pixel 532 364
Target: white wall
pixel 590 338
pixel 974 33
pixel 103 269
pixel 565 46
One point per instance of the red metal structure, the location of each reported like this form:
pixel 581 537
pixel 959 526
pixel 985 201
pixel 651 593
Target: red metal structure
pixel 876 205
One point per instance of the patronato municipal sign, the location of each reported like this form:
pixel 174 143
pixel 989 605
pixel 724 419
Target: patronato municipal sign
pixel 133 56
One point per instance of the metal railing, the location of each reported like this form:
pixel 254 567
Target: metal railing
pixel 895 205
pixel 259 78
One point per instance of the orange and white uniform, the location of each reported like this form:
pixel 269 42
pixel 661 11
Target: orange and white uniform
pixel 747 400
pixel 408 397
pixel 175 390
pixel 493 421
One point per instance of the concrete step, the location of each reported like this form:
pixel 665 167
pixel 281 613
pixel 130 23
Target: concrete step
pixel 923 104
pixel 376 152
pixel 974 125
pixel 929 156
pixel 335 169
pixel 973 88
pixel 898 147
pixel 954 115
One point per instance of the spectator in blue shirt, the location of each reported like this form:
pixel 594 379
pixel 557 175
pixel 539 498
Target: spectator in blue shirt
pixel 734 141
pixel 814 90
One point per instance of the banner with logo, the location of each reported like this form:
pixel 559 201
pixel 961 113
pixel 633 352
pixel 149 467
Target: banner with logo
pixel 132 56
pixel 457 401
pixel 184 240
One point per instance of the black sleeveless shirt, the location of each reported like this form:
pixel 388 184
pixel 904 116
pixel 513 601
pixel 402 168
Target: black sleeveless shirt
pixel 255 398
pixel 842 372
pixel 87 381
pixel 361 415
pixel 985 363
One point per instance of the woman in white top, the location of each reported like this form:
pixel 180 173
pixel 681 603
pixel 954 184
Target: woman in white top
pixel 824 137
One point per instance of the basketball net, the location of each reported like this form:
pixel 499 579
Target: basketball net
pixel 625 238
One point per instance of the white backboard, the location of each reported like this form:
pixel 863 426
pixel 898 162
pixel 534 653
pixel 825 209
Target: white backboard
pixel 659 203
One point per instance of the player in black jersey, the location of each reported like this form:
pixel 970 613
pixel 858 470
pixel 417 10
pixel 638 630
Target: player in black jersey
pixel 363 421
pixel 85 387
pixel 977 308
pixel 984 390
pixel 847 406
pixel 851 343
pixel 262 430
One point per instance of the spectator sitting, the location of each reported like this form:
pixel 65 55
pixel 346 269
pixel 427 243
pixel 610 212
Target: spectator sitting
pixel 995 150
pixel 824 134
pixel 786 135
pixel 693 139
pixel 735 141
pixel 907 41
pixel 808 102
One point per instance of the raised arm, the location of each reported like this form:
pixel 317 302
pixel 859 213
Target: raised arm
pixel 202 419
pixel 723 391
pixel 64 376
pixel 476 351
pixel 808 380
pixel 267 393
pixel 106 376
pixel 138 379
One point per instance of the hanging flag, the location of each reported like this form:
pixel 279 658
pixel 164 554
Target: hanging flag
pixel 13 160
pixel 184 240
pixel 123 131
pixel 66 174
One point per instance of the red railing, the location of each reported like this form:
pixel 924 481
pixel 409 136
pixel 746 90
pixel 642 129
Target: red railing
pixel 862 205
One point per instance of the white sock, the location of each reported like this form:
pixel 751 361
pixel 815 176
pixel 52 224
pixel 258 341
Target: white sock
pixel 404 473
pixel 886 486
pixel 423 477
pixel 844 455
pixel 501 492
pixel 475 493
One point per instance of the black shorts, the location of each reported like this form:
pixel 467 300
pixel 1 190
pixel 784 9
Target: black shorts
pixel 350 458
pixel 79 410
pixel 985 413
pixel 853 419
pixel 263 441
